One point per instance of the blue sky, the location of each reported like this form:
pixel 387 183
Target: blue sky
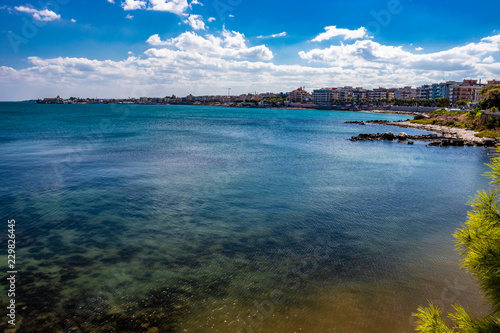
pixel 132 48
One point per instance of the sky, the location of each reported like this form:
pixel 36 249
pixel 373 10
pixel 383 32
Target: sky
pixel 156 48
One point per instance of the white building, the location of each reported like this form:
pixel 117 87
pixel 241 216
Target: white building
pixel 324 96
pixel 406 93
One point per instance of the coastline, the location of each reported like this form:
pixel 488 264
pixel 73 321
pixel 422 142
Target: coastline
pixel 282 107
pixel 404 113
pixel 450 136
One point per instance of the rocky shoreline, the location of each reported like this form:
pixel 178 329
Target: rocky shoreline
pixel 450 136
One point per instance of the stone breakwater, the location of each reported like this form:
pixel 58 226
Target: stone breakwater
pixel 457 137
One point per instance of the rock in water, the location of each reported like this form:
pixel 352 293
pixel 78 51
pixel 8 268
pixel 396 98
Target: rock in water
pixel 402 136
pixel 388 136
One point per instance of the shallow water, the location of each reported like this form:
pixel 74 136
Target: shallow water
pixel 202 219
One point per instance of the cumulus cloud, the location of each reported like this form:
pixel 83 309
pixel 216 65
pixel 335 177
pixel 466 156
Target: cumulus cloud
pixel 230 44
pixel 129 17
pixel 155 40
pixel 173 6
pixel 133 4
pixel 196 22
pixel 39 15
pixel 333 31
pixel 281 34
pixel 208 64
pixel 369 54
pixel 175 71
pixel 419 49
pixel 211 19
pixel 489 60
pixel 195 2
pixel 111 1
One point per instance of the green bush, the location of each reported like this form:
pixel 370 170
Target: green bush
pixel 479 240
pixel 443 111
pixel 492 123
pixel 488 134
pixel 474 113
pixel 423 121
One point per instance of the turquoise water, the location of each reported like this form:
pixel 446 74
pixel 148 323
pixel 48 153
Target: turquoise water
pixel 203 219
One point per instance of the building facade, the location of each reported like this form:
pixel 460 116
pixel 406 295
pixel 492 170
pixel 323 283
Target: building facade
pixel 467 90
pixel 406 93
pixel 324 96
pixel 298 95
pixel 381 93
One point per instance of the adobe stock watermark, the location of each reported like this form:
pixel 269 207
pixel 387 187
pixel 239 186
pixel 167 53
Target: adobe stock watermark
pixel 118 114
pixel 296 278
pixel 383 18
pixel 223 7
pixel 449 295
pixel 30 28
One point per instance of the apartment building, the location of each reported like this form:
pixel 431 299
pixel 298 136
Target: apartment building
pixel 346 93
pixel 360 94
pixel 439 90
pixel 381 93
pixel 464 91
pixel 298 95
pixel 406 93
pixel 325 96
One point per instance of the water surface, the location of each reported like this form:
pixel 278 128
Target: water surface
pixel 203 219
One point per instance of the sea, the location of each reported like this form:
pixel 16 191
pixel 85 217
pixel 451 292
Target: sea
pixel 163 218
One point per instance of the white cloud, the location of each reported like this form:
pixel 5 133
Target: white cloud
pixel 230 44
pixel 419 49
pixel 333 31
pixel 133 4
pixel 281 34
pixel 489 60
pixel 129 17
pixel 111 1
pixel 231 15
pixel 156 41
pixel 372 55
pixel 194 2
pixel 211 19
pixel 39 15
pixel 73 20
pixel 190 63
pixel 176 72
pixel 173 6
pixel 492 39
pixel 196 22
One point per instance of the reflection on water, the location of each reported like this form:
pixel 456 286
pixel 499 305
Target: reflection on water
pixel 182 219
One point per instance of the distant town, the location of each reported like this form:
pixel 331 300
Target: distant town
pixel 438 95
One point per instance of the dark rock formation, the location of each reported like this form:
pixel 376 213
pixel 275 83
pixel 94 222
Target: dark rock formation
pixel 421 116
pixel 434 139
